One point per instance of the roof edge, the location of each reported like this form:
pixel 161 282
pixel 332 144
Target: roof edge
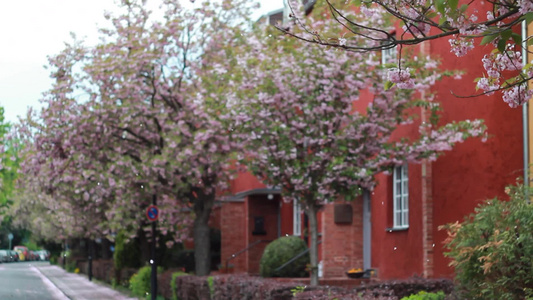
pixel 239 197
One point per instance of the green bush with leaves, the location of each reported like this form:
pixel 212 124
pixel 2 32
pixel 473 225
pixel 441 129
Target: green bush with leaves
pixel 423 295
pixel 70 266
pixel 127 253
pixel 281 251
pixel 492 249
pixel 140 281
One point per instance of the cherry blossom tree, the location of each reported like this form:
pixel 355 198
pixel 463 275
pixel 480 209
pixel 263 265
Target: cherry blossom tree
pixel 310 132
pixel 466 24
pixel 148 122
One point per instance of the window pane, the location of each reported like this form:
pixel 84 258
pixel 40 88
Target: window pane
pixel 399 203
pixel 398 171
pixel 405 218
pixel 296 219
pixel 400 197
pixel 398 219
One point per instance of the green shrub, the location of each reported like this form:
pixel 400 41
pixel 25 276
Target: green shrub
pixel 140 283
pixel 126 254
pixel 423 295
pixel 491 250
pixel 211 285
pixel 281 251
pixel 70 266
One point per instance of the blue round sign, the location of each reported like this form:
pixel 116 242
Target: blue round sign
pixel 152 213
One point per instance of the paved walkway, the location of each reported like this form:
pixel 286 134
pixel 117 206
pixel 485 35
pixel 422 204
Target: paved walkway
pixel 75 286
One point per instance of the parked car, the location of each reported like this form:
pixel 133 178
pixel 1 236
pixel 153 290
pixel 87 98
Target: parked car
pixel 23 252
pixel 33 255
pixel 42 254
pixel 15 255
pixel 5 256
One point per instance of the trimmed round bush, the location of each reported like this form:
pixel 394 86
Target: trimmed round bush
pixel 281 251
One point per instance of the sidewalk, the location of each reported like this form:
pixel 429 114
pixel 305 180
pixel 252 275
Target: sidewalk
pixel 73 286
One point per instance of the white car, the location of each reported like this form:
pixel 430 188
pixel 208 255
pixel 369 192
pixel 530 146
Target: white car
pixel 42 254
pixel 5 256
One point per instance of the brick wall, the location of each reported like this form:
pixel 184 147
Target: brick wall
pixel 232 233
pixel 428 242
pixel 342 244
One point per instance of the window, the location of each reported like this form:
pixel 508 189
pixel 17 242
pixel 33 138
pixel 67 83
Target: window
pixel 401 198
pixel 389 55
pixel 296 218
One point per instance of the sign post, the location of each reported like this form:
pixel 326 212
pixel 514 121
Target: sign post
pixel 152 213
pixel 10 238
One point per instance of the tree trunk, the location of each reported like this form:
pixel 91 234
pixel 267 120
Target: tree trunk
pixel 203 205
pixel 312 212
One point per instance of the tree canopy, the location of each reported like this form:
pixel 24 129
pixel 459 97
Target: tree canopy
pixel 319 123
pixel 148 123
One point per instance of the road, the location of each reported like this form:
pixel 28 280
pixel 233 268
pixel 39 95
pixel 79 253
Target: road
pixel 23 281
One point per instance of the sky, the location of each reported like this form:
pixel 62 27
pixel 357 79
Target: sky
pixel 31 30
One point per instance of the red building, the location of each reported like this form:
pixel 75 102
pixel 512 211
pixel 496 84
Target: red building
pixel 406 207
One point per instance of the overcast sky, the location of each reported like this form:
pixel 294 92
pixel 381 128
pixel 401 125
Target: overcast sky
pixel 33 29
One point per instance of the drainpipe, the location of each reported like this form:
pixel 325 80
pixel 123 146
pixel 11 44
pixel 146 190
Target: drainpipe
pixel 367 231
pixel 525 122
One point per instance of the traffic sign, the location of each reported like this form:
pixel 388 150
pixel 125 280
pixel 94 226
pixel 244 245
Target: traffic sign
pixel 152 213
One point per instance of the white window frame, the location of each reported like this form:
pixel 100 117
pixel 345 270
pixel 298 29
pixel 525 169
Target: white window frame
pixel 387 55
pixel 400 187
pixel 296 218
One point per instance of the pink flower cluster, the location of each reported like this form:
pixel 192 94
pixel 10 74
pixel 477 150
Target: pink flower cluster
pixel 526 6
pixel 402 78
pixel 517 95
pixel 460 46
pixel 494 65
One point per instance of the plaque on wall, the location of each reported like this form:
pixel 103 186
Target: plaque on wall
pixel 259 226
pixel 343 214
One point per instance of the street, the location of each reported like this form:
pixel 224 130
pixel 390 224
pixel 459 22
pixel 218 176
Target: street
pixel 42 281
pixel 24 281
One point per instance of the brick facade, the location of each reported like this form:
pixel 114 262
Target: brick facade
pixel 342 244
pixel 428 243
pixel 232 234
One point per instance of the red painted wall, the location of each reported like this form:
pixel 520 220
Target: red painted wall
pixel 397 254
pixel 460 179
pixel 286 212
pixel 474 171
pixel 260 206
pixel 245 181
